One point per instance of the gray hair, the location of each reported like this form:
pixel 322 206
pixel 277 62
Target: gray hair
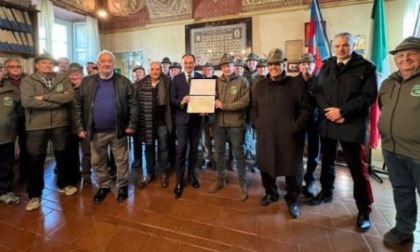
pixel 6 62
pixel 346 34
pixel 155 62
pixel 106 52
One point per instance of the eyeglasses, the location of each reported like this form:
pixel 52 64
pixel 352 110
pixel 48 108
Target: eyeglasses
pixel 14 66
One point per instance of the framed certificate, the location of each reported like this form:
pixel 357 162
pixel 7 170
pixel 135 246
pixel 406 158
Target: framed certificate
pixel 202 96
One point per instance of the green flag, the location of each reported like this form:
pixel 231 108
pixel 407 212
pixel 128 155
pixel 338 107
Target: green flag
pixel 379 56
pixel 379 48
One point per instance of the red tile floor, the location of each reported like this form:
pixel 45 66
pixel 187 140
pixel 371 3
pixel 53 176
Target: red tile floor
pixel 151 219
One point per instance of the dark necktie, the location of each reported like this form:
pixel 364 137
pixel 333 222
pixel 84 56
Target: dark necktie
pixel 340 66
pixel 189 77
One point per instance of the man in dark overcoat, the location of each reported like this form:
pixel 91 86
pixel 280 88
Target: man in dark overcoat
pixel 280 111
pixel 347 89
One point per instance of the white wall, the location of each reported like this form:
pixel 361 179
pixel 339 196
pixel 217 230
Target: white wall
pixel 270 30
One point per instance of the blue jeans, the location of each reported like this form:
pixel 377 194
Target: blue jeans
pixel 404 174
pixel 235 135
pixel 161 134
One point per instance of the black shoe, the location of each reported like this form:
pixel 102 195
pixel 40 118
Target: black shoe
pixel 194 182
pixel 309 190
pixel 178 190
pixel 205 164
pixel 363 222
pixel 267 199
pixel 147 180
pixel 294 209
pixel 101 195
pixel 122 194
pixel 321 198
pixel 136 164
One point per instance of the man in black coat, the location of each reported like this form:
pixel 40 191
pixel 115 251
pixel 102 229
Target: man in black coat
pixel 188 126
pixel 348 88
pixel 280 110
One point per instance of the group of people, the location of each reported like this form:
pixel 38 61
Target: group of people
pixel 327 109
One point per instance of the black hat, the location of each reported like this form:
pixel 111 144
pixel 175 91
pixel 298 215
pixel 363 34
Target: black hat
pixel 407 44
pixel 137 68
pixel 166 60
pixel 175 65
pixel 46 56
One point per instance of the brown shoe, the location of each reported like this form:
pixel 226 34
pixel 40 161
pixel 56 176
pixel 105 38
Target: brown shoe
pixel 147 180
pixel 164 181
pixel 216 186
pixel 243 192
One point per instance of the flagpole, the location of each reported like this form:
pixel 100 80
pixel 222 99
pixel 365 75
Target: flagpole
pixel 379 56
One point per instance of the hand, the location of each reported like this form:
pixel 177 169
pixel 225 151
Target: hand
pixel 129 131
pixel 332 113
pixel 82 134
pixel 218 104
pixel 185 100
pixel 39 97
pixel 339 121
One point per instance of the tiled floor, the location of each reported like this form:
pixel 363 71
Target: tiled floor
pixel 152 220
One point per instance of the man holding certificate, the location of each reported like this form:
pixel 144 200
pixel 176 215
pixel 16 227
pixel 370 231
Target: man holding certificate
pixel 188 125
pixel 231 103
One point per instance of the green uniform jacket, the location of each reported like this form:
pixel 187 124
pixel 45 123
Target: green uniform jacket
pixel 52 111
pixel 9 106
pixel 234 94
pixel 399 122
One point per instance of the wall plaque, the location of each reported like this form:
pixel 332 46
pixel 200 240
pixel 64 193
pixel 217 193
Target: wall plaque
pixel 208 41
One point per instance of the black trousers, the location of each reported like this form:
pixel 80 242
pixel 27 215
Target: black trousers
pixel 313 148
pixel 23 151
pixel 72 159
pixel 37 147
pixel 354 156
pixel 293 186
pixel 188 134
pixel 7 156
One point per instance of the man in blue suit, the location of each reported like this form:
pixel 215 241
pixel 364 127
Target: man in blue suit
pixel 188 126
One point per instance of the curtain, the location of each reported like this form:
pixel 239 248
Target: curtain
pixel 411 12
pixel 93 38
pixel 45 23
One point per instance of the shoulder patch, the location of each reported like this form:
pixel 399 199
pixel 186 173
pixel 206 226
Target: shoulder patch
pixel 59 88
pixel 8 101
pixel 415 91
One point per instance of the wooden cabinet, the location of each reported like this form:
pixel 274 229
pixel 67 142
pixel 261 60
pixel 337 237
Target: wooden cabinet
pixel 18 30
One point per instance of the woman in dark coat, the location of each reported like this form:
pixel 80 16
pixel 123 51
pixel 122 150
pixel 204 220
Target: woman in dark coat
pixel 280 111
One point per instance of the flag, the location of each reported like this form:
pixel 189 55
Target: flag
pixel 379 56
pixel 318 43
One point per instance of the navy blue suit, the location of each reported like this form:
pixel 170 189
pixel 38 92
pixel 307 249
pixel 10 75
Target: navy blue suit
pixel 188 127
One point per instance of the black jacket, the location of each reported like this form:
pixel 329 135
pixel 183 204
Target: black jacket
pixel 125 104
pixel 353 89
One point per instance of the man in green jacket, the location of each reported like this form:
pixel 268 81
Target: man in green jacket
pixel 9 105
pixel 399 125
pixel 231 102
pixel 45 96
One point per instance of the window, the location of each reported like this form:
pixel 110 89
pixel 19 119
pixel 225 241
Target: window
pixel 61 39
